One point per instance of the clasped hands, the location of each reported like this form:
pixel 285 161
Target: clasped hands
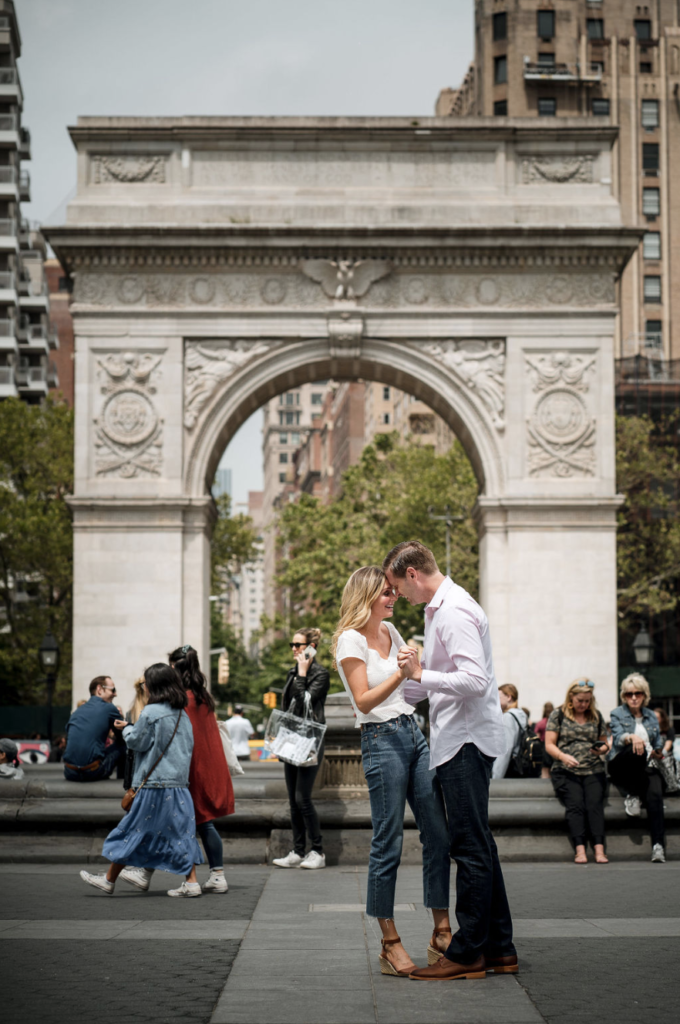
pixel 409 665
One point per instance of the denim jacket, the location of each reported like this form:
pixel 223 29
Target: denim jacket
pixel 623 723
pixel 149 736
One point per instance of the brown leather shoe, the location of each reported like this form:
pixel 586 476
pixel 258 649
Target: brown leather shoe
pixel 502 964
pixel 447 970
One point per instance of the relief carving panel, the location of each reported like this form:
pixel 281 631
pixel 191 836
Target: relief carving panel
pixel 128 432
pixel 557 170
pixel 480 364
pixel 209 364
pixel 128 169
pixel 561 427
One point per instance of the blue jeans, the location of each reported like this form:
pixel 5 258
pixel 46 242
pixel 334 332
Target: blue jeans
pixel 482 910
pixel 212 844
pixel 112 760
pixel 396 765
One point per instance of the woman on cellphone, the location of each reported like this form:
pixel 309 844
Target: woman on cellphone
pixel 306 676
pixel 396 761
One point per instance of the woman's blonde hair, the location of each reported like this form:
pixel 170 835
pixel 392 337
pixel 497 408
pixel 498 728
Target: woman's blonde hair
pixel 636 681
pixel 577 687
pixel 140 701
pixel 360 594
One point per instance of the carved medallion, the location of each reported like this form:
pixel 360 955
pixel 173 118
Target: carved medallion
pixel 128 430
pixel 273 291
pixel 560 429
pixel 128 169
pixel 557 169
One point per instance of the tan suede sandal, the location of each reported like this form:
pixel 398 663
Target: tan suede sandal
pixel 434 954
pixel 388 968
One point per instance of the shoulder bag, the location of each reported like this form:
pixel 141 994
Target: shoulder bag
pixel 233 763
pixel 292 739
pixel 126 802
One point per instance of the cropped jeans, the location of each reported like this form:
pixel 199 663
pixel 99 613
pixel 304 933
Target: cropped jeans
pixel 396 765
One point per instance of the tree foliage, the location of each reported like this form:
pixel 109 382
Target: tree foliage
pixel 36 545
pixel 233 544
pixel 384 499
pixel 648 544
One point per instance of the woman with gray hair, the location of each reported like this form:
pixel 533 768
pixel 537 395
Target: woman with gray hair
pixel 637 747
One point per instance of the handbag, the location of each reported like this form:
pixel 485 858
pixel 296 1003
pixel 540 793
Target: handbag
pixel 669 773
pixel 292 739
pixel 126 802
pixel 233 763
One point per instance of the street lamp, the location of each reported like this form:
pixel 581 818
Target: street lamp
pixel 643 648
pixel 449 519
pixel 48 653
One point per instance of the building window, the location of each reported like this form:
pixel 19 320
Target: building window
pixel 652 288
pixel 500 108
pixel 386 394
pixel 297 419
pixel 283 457
pixel 289 398
pixel 545 25
pixel 643 29
pixel 547 107
pixel 653 334
pixel 282 478
pixel 64 284
pixel 290 418
pixel 295 438
pixel 645 67
pixel 500 26
pixel 386 418
pixel 546 60
pixel 650 158
pixel 595 28
pixel 650 114
pixel 283 438
pixel 282 399
pixel 651 202
pixel 651 246
pixel 601 108
pixel 500 70
pixel 317 398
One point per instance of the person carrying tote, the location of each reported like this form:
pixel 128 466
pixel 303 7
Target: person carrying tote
pixel 396 761
pixel 159 832
pixel 306 676
pixel 576 737
pixel 637 748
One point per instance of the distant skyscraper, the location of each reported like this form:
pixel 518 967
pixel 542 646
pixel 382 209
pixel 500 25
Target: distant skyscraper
pixel 222 483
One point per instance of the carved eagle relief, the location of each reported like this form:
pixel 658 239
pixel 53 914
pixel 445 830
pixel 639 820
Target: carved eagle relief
pixel 345 279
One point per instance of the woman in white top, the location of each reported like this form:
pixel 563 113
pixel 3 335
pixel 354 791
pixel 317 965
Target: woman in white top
pixel 396 763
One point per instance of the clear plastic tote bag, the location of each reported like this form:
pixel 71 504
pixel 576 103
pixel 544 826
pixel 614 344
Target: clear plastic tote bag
pixel 293 739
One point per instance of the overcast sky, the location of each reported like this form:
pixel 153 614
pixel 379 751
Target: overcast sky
pixel 266 57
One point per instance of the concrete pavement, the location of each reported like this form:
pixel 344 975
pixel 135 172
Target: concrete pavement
pixel 295 946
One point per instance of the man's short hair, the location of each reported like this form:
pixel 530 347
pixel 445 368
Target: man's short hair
pixel 97 681
pixel 238 709
pixel 410 554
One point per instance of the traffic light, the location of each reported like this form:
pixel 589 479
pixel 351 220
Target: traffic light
pixel 223 669
pixel 269 700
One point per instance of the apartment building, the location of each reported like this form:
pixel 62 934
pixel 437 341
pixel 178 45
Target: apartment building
pixel 251 589
pixel 26 336
pixel 613 60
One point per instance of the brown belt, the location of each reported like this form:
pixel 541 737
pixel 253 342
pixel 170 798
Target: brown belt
pixel 85 768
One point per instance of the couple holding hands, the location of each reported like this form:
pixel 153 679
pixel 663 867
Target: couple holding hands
pixel 447 786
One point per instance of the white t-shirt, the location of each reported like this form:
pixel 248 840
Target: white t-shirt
pixel 643 734
pixel 351 644
pixel 240 730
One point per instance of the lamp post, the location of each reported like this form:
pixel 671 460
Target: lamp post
pixel 48 654
pixel 449 520
pixel 643 648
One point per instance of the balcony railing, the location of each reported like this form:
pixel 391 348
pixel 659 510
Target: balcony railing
pixel 8 76
pixel 4 23
pixel 24 284
pixel 52 376
pixel 7 327
pixel 26 376
pixel 24 181
pixel 8 122
pixel 6 375
pixel 8 175
pixel 8 226
pixel 6 279
pixel 555 72
pixel 36 332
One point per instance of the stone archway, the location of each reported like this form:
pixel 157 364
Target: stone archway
pixel 218 262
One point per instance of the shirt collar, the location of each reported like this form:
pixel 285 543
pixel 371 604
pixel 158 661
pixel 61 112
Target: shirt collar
pixel 440 594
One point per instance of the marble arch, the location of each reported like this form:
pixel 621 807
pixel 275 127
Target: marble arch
pixel 218 261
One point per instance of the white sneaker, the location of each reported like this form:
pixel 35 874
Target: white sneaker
pixel 216 883
pixel 292 860
pixel 658 855
pixel 314 860
pixel 98 881
pixel 186 889
pixel 139 877
pixel 632 805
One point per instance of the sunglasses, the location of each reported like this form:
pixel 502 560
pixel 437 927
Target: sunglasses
pixel 633 693
pixel 586 682
pixel 292 645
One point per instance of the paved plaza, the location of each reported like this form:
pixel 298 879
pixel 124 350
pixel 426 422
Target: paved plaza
pixel 294 946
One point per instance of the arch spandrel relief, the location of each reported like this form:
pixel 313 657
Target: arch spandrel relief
pixel 561 426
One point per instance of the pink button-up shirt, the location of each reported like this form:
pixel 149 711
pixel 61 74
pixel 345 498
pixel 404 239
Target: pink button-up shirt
pixel 458 677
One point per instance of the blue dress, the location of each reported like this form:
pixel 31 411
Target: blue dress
pixel 159 831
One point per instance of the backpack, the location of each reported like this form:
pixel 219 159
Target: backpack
pixel 528 761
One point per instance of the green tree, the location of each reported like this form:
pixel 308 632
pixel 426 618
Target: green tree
pixel 648 541
pixel 233 544
pixel 36 545
pixel 384 499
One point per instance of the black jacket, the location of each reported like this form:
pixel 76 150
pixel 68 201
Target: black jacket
pixel 317 681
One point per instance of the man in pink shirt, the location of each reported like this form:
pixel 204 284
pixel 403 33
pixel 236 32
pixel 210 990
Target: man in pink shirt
pixel 466 735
